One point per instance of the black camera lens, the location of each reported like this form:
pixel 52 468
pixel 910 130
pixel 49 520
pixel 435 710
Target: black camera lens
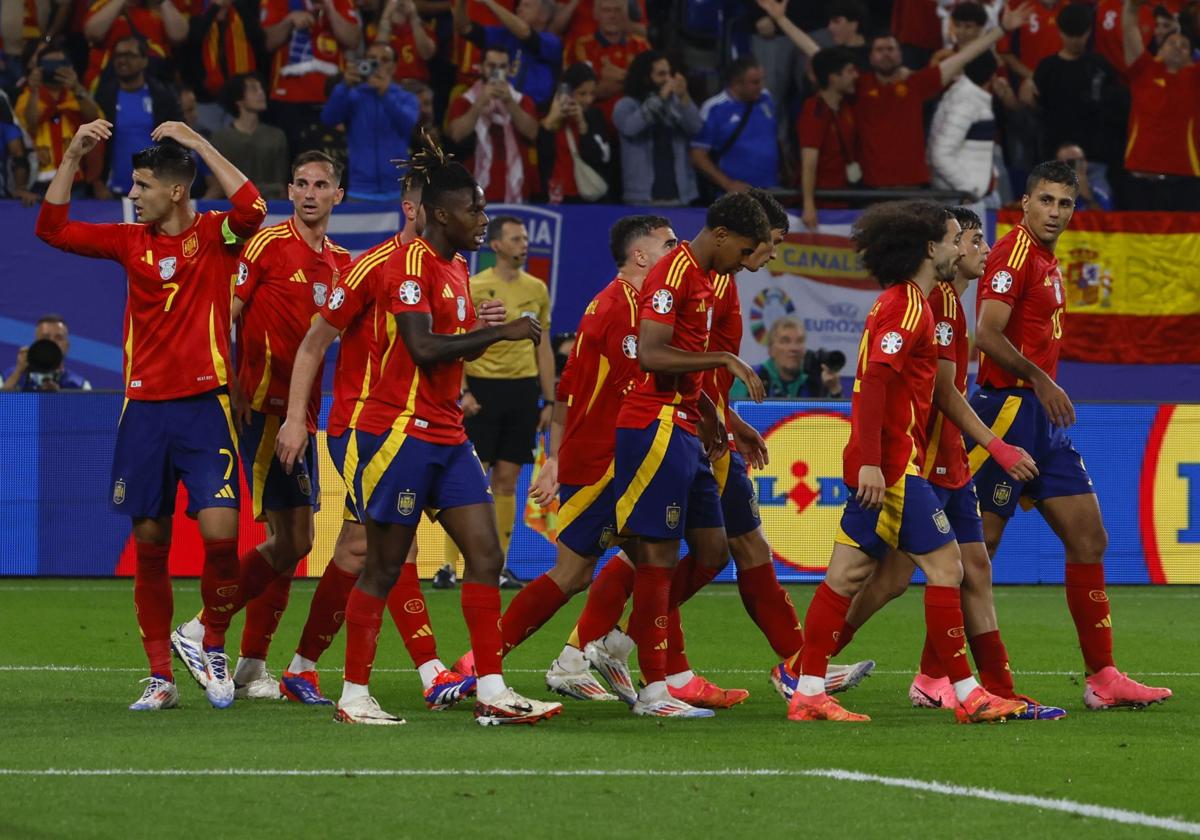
pixel 43 356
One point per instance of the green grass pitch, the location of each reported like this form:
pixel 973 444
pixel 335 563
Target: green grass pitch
pixel 595 771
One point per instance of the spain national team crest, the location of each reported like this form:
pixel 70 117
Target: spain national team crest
pixel 320 293
pixel 1002 494
pixel 304 483
pixel 191 245
pixel 406 503
pixel 941 522
pixel 166 268
pixel 673 514
pixel 119 491
pixel 607 534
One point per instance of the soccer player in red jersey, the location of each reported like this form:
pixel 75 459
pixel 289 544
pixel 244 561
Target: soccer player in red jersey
pixel 1021 311
pixel 350 310
pixel 908 247
pixel 665 488
pixel 601 369
pixel 285 274
pixel 409 451
pixel 177 423
pixel 948 472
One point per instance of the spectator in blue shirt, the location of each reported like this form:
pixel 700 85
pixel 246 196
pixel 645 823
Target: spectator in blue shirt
pixel 737 147
pixel 379 116
pixel 534 54
pixel 135 103
pixel 12 150
pixel 21 378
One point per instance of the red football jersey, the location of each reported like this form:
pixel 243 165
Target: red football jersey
pixel 594 50
pixel 1039 38
pixel 726 337
pixel 1164 118
pixel 302 64
pixel 899 333
pixel 179 291
pixel 834 134
pixel 1023 274
pixel 283 284
pixel 677 293
pixel 891 127
pixel 420 401
pixel 601 369
pixel 946 456
pixel 351 309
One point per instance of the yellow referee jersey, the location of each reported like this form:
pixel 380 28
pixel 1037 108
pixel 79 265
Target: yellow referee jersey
pixel 527 295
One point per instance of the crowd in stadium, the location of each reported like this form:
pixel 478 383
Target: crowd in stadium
pixel 663 103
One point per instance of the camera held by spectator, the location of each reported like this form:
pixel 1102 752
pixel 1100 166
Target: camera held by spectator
pixel 792 371
pixel 41 365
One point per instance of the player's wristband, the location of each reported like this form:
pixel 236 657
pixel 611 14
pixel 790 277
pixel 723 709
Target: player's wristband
pixel 1006 454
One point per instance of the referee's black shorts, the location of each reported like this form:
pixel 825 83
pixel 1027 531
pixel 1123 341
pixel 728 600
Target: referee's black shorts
pixel 505 429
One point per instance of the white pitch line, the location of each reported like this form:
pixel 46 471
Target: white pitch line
pixel 1066 806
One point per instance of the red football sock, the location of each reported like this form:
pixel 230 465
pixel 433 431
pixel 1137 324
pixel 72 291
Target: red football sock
pixel 689 578
pixel 220 585
pixel 931 665
pixel 407 606
pixel 770 607
pixel 823 621
pixel 992 661
pixel 944 630
pixel 533 606
pixel 262 617
pixel 255 573
pixel 1088 603
pixel 845 637
pixel 605 601
pixel 326 612
pixel 481 609
pixel 154 603
pixel 677 661
pixel 649 623
pixel 364 618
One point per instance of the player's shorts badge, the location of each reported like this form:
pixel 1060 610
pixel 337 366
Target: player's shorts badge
pixel 754 505
pixel 320 293
pixel 191 245
pixel 629 346
pixel 943 333
pixel 119 491
pixel 607 533
pixel 304 483
pixel 166 268
pixel 406 503
pixel 1002 494
pixel 662 301
pixel 673 514
pixel 337 298
pixel 462 308
pixel 1001 282
pixel 891 343
pixel 942 522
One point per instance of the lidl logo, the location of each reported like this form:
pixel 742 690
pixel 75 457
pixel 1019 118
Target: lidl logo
pixel 800 492
pixel 1170 496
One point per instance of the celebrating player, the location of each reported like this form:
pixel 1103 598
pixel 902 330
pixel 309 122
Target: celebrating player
pixel 284 276
pixel 350 310
pixel 409 451
pixel 1021 313
pixel 664 486
pixel 908 247
pixel 946 469
pixel 177 422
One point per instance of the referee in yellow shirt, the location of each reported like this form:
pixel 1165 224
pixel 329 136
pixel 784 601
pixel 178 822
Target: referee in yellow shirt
pixel 508 392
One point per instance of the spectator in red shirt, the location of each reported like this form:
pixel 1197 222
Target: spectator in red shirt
pixel 51 109
pixel 609 50
pixel 1023 49
pixel 827 131
pixel 493 125
pixel 307 40
pixel 890 98
pixel 574 128
pixel 918 30
pixel 224 40
pixel 1162 153
pixel 575 18
pixel 412 39
pixel 160 24
pixel 1154 23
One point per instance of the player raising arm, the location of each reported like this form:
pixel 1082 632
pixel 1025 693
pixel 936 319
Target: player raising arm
pixel 177 423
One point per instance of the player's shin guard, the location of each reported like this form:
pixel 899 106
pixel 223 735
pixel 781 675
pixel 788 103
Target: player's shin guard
pixel 1088 603
pixel 262 617
pixel 364 618
pixel 154 602
pixel 689 578
pixel 220 588
pixel 255 573
pixel 649 624
pixel 677 661
pixel 845 637
pixel 944 630
pixel 533 606
pixel 481 609
pixel 407 606
pixel 326 613
pixel 992 661
pixel 931 663
pixel 770 607
pixel 605 601
pixel 822 626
